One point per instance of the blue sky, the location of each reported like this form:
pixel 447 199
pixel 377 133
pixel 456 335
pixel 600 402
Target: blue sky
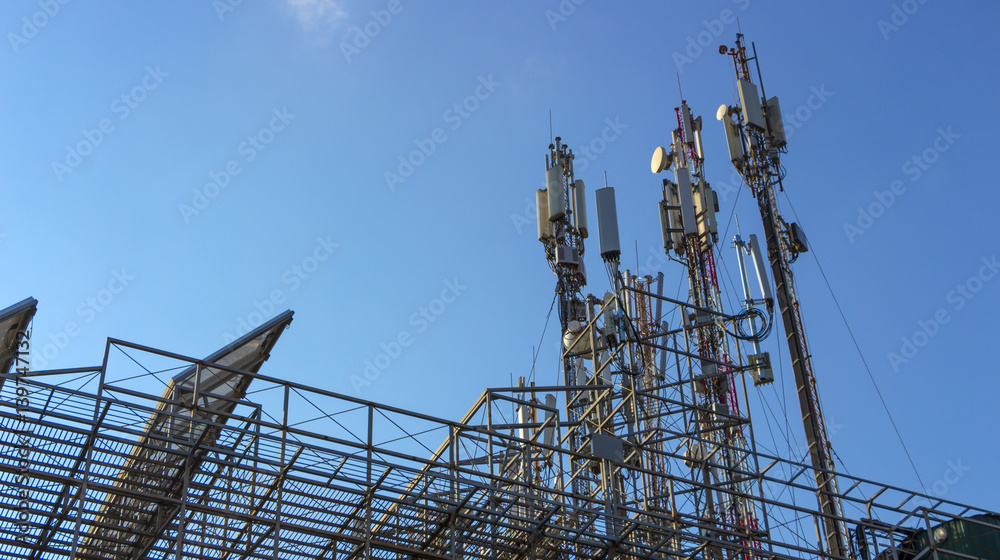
pixel 172 171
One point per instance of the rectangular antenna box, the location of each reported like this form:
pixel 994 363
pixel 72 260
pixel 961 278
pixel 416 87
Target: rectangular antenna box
pixel 760 368
pixel 567 256
pixel 750 101
pixel 798 238
pixel 775 124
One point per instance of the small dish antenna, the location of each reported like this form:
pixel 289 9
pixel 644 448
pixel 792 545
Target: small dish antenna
pixel 721 113
pixel 661 160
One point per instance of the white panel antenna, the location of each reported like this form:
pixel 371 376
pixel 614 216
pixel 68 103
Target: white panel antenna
pixel 665 226
pixel 557 194
pixel 775 124
pixel 686 197
pixel 686 125
pixel 734 141
pixel 699 209
pixel 750 101
pixel 670 218
pixel 607 222
pixel 711 207
pixel 523 417
pixel 697 138
pixel 580 199
pixel 758 264
pixel 705 208
pixel 542 215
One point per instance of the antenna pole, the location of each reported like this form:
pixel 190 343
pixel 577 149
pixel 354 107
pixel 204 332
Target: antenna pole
pixel 761 143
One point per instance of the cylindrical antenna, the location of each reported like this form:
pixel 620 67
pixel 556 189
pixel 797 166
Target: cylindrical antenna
pixel 697 139
pixel 607 222
pixel 556 192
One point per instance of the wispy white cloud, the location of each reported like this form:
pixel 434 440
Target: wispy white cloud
pixel 317 12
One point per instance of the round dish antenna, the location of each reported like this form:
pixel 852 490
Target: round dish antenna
pixel 661 160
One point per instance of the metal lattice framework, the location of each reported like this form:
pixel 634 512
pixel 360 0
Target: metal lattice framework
pixel 227 463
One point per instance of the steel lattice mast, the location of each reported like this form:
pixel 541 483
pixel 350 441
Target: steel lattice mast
pixel 689 227
pixel 591 403
pixel 615 371
pixel 755 136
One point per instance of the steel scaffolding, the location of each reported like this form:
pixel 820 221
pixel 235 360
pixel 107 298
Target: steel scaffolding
pixel 228 463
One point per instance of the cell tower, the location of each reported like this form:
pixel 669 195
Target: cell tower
pixel 689 228
pixel 643 449
pixel 627 403
pixel 755 136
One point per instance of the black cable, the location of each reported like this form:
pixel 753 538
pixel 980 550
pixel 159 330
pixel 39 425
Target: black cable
pixel 733 213
pixel 862 356
pixel 869 370
pixel 749 313
pixel 545 328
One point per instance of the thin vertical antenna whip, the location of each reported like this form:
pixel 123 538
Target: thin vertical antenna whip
pixel 679 90
pixel 550 126
pixel 760 76
pixel 605 178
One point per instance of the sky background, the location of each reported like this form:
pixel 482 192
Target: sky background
pixel 172 171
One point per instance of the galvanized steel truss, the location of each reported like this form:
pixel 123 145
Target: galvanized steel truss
pixel 294 472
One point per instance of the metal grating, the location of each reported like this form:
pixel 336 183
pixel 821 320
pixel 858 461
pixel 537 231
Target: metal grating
pixel 295 472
